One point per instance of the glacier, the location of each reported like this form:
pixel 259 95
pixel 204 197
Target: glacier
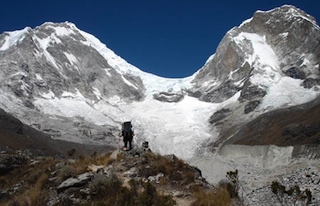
pixel 181 128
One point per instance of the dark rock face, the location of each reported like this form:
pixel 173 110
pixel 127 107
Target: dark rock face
pixel 251 106
pixel 219 115
pixel 309 83
pixel 299 125
pixel 295 73
pixel 252 92
pixel 228 57
pixel 220 94
pixel 168 97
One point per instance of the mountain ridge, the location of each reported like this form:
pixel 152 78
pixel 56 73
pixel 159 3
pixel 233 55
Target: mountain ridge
pixel 263 78
pixel 65 80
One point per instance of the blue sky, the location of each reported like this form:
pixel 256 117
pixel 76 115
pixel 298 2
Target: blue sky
pixel 169 38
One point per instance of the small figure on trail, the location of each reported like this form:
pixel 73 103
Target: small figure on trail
pixel 127 133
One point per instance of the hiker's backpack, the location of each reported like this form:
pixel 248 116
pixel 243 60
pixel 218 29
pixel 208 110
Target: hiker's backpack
pixel 127 129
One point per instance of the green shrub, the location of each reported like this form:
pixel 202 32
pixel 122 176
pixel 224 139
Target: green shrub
pixel 234 185
pixel 294 192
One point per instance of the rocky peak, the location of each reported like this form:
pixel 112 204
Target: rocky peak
pixel 278 20
pixel 58 62
pixel 60 58
pixel 269 44
pixel 291 32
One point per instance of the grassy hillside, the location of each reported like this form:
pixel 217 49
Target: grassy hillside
pixel 137 177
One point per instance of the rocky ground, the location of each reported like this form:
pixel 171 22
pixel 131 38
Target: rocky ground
pixel 136 177
pixel 298 177
pixel 258 171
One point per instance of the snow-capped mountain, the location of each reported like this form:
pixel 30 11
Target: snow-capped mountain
pixel 261 87
pixel 65 82
pixel 270 61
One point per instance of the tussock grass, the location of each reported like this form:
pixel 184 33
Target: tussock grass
pixel 81 164
pixel 219 197
pixel 36 178
pixel 176 170
pixel 42 178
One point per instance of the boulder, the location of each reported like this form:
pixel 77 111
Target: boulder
pixel 78 181
pixel 168 96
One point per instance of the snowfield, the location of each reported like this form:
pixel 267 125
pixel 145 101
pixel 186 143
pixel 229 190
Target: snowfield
pixel 172 128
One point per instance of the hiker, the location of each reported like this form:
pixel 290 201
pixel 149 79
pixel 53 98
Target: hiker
pixel 127 133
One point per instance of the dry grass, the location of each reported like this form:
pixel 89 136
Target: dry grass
pixel 37 188
pixel 219 197
pixel 35 178
pixel 81 164
pixel 176 170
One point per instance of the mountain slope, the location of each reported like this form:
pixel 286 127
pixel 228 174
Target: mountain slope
pixel 298 125
pixel 260 88
pixel 269 62
pixel 17 136
pixel 66 83
pixel 60 79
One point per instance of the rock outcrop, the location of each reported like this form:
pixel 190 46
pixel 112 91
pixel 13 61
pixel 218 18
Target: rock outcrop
pixel 290 35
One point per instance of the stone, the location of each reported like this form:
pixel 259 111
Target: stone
pixel 78 181
pixel 155 178
pixel 132 172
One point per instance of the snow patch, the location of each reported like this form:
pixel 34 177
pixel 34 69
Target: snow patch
pixel 49 95
pixel 97 93
pixel 107 70
pixel 38 76
pixel 287 92
pixel 72 105
pixel 72 59
pixel 210 59
pixel 245 22
pixel 62 31
pixel 284 35
pixel 19 73
pixel 263 59
pixel 13 38
pixel 128 82
pixel 305 62
pixel 263 54
pixel 43 43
